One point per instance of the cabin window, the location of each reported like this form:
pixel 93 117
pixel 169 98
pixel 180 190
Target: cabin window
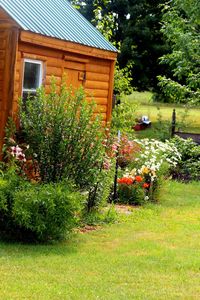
pixel 32 77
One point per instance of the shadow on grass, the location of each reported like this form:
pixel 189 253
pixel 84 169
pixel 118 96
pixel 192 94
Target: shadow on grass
pixel 20 249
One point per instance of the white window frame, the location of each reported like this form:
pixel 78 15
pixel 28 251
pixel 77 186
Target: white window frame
pixel 37 62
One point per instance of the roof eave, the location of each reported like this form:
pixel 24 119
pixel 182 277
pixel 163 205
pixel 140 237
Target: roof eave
pixel 47 41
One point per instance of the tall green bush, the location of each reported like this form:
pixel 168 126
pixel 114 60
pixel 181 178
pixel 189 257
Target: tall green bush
pixel 65 139
pixel 64 136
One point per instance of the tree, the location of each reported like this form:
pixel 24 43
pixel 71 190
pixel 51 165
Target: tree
pixel 134 28
pixel 143 43
pixel 181 27
pixel 86 8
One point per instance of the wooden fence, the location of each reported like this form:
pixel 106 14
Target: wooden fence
pixel 184 135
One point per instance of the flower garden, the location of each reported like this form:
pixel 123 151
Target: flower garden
pixel 60 168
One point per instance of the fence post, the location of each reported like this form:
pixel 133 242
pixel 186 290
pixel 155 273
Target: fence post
pixel 173 122
pixel 115 196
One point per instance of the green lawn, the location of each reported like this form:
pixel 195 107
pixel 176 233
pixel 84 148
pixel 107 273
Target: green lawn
pixel 154 253
pixel 148 107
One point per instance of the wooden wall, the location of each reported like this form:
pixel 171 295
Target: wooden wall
pixel 93 68
pixel 91 71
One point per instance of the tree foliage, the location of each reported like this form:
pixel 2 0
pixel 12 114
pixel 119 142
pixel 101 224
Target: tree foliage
pixel 143 43
pixel 134 28
pixel 181 27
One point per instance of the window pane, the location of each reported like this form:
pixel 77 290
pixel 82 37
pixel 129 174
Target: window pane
pixel 31 75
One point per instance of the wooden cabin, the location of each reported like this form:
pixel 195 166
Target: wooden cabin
pixel 41 38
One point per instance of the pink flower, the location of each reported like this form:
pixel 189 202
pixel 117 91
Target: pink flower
pixel 17 152
pixel 114 147
pixel 106 164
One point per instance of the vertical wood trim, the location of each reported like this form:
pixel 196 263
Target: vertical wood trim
pixel 110 91
pixel 9 76
pixel 21 74
pixel 12 70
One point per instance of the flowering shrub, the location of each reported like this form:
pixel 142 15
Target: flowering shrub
pixel 127 151
pixel 64 136
pixel 153 159
pixel 155 153
pixel 133 188
pixel 66 139
pixel 16 154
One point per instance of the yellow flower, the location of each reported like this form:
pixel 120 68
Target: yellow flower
pixel 133 173
pixel 145 170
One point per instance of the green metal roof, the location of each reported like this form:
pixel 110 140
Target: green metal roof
pixel 55 18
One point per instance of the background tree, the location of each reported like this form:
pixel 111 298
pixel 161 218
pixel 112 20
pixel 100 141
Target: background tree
pixel 86 8
pixel 181 27
pixel 143 42
pixel 134 28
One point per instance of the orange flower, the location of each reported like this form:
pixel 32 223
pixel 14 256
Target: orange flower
pixel 146 185
pixel 138 178
pixel 125 180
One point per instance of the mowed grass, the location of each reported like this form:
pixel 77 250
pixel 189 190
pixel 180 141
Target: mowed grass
pixel 150 108
pixel 153 253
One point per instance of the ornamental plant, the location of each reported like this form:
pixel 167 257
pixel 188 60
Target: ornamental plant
pixel 133 188
pixel 155 153
pixel 64 136
pixel 16 153
pixel 127 151
pixel 66 139
pixel 145 172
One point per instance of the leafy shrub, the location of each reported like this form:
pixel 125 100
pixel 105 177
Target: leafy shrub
pixel 3 199
pixel 38 212
pixel 64 136
pixel 122 81
pixel 48 210
pixel 65 140
pixel 99 194
pixel 188 167
pixel 131 193
pixel 123 117
pixel 10 182
pixel 162 128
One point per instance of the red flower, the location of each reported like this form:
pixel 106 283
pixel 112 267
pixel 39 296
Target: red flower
pixel 146 185
pixel 125 180
pixel 138 178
